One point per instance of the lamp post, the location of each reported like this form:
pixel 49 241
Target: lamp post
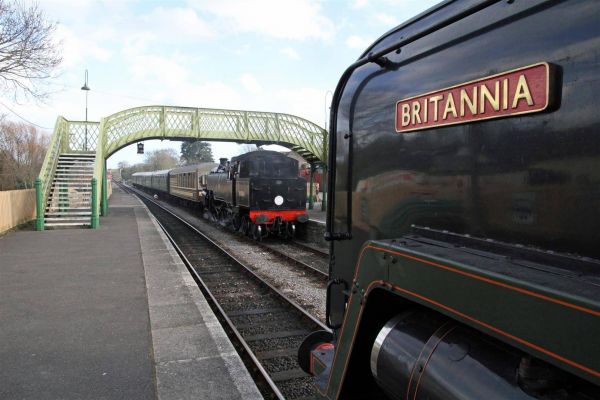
pixel 86 88
pixel 327 108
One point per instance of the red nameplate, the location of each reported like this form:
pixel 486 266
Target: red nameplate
pixel 521 91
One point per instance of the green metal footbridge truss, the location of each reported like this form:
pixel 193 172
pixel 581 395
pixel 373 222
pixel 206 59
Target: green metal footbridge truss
pixel 118 130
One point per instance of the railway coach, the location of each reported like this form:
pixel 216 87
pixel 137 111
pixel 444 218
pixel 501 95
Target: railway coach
pixel 186 183
pixel 464 217
pixel 155 180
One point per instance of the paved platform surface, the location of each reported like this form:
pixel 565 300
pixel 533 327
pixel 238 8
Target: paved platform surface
pixel 109 314
pixel 316 215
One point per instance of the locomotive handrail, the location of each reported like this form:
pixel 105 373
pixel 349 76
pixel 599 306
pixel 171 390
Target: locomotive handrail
pixel 330 284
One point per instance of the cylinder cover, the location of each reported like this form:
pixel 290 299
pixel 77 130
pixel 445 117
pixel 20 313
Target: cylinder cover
pixel 422 355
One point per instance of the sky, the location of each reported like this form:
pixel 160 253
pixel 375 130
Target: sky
pixel 264 55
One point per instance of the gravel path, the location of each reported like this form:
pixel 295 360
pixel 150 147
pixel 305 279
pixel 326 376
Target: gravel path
pixel 300 286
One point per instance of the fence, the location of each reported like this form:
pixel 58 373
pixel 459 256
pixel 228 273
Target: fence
pixel 16 207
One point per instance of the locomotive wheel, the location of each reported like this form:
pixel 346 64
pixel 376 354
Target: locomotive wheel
pixel 245 225
pixel 236 222
pixel 214 214
pixel 223 217
pixel 227 217
pixel 290 230
pixel 257 232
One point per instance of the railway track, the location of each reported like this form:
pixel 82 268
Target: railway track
pixel 307 258
pixel 263 323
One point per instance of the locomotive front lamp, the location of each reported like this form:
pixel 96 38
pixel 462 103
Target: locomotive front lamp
pixel 278 200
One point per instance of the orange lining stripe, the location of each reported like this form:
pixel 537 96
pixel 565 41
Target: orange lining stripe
pixel 427 362
pixel 493 282
pixel 412 372
pixel 501 332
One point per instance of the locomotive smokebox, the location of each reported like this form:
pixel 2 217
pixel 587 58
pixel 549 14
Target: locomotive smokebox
pixel 423 355
pixel 223 161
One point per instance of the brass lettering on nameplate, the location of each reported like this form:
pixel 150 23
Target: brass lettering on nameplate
pixel 520 91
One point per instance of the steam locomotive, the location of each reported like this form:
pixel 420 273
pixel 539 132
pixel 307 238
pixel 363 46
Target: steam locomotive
pixel 464 218
pixel 258 193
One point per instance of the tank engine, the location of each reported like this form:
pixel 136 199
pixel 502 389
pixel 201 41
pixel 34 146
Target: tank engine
pixel 259 193
pixel 464 216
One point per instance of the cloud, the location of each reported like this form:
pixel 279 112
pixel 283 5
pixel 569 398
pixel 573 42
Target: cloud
pixel 292 19
pixel 151 70
pixel 387 19
pixel 305 102
pixel 357 42
pixel 290 53
pixel 180 24
pixel 76 49
pixel 250 83
pixel 213 94
pixel 360 4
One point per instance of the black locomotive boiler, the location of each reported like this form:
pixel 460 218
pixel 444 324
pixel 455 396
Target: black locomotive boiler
pixel 259 193
pixel 464 213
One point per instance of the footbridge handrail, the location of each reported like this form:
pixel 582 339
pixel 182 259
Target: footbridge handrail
pixel 54 149
pixel 170 122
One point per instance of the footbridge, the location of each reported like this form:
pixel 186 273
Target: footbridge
pixel 72 188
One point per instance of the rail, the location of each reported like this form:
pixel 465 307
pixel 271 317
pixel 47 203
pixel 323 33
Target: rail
pixel 260 318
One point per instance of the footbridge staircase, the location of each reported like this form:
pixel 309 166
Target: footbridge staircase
pixel 72 186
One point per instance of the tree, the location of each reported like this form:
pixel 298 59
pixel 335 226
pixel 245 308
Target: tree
pixel 128 170
pixel 196 152
pixel 28 53
pixel 160 159
pixel 22 152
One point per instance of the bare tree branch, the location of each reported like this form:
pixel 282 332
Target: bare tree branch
pixel 28 54
pixel 22 151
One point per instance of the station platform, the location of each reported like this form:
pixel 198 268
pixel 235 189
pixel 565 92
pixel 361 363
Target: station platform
pixel 316 215
pixel 109 313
